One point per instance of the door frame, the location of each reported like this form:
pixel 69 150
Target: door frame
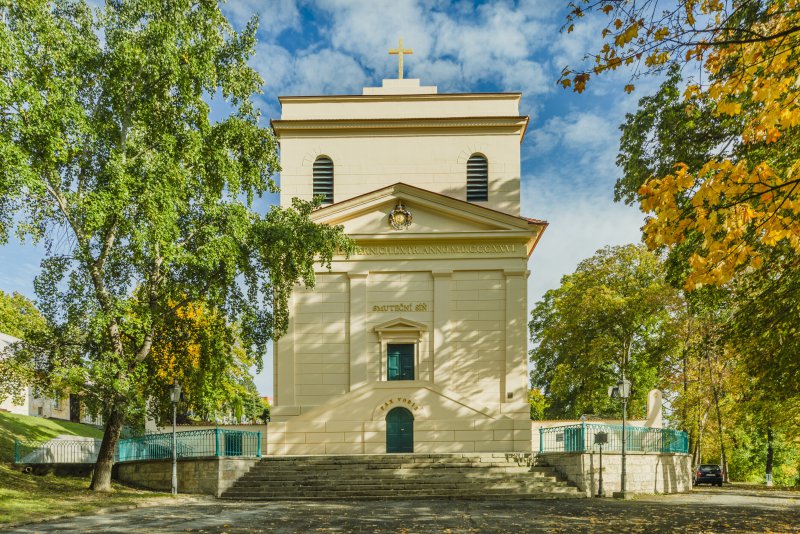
pixel 398 410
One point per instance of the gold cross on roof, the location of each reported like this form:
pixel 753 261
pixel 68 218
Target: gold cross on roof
pixel 399 51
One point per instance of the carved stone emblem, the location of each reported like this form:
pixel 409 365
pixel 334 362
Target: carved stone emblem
pixel 400 218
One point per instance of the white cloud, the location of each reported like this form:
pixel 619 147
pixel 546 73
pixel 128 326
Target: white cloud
pixel 579 225
pixel 454 46
pixel 569 182
pixel 309 72
pixel 274 16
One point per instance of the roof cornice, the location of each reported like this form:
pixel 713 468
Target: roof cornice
pixel 398 97
pixel 512 123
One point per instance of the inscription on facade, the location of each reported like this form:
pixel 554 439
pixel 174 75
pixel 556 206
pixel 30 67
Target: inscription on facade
pixel 427 250
pixel 408 403
pixel 411 306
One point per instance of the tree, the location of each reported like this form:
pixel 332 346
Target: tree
pixel 752 318
pixel 20 318
pixel 539 404
pixel 615 311
pixel 144 203
pixel 743 203
pixel 195 347
pixel 18 315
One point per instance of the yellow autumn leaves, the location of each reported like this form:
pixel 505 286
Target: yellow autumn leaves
pixel 745 201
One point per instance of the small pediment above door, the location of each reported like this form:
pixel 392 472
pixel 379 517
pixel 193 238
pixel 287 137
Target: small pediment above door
pixel 400 326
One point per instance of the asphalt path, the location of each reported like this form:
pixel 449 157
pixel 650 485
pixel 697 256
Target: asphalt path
pixel 731 509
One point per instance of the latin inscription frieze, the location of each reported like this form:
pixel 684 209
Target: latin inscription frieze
pixel 439 249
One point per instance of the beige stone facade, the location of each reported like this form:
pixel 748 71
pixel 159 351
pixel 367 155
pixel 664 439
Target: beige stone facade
pixel 445 295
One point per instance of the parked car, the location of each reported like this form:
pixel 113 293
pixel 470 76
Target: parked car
pixel 708 474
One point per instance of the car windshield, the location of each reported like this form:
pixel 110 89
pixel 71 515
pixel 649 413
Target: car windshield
pixel 709 468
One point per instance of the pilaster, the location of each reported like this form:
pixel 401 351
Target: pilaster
pixel 441 354
pixel 283 352
pixel 358 329
pixel 516 369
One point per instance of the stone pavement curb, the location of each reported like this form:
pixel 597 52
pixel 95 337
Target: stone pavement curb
pixel 149 503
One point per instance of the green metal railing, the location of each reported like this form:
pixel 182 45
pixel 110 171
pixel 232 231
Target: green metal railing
pixel 215 442
pixel 582 438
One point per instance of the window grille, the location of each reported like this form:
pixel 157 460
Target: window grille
pixel 323 179
pixel 477 178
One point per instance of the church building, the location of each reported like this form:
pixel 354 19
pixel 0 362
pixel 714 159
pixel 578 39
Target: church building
pixel 417 342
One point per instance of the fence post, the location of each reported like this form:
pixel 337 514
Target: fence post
pixel 541 439
pixel 16 451
pixel 258 451
pixel 216 442
pixel 583 436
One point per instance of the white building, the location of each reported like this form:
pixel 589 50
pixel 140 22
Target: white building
pixel 417 342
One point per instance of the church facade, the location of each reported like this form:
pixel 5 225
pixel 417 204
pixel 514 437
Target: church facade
pixel 417 341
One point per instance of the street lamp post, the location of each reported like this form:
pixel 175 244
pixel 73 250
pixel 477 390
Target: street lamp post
pixel 622 391
pixel 176 397
pixel 601 438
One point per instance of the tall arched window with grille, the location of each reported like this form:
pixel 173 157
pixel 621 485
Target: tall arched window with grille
pixel 323 179
pixel 477 178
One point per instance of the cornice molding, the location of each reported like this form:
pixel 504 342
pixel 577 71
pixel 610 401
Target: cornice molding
pixel 398 97
pixel 513 123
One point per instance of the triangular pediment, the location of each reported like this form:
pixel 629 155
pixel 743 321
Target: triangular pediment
pixel 432 213
pixel 400 324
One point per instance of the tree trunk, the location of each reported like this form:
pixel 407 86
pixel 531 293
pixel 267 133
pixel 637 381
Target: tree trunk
pixel 770 456
pixel 101 478
pixel 721 435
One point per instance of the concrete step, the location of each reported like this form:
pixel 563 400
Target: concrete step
pixel 432 490
pixel 411 494
pixel 467 475
pixel 265 471
pixel 395 459
pixel 505 496
pixel 401 475
pixel 518 481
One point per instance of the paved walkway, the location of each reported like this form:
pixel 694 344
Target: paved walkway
pixel 706 510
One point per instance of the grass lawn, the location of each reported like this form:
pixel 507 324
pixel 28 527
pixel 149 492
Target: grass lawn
pixel 27 497
pixel 28 428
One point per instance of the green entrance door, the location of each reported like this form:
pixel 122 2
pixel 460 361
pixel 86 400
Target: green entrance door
pixel 399 431
pixel 400 360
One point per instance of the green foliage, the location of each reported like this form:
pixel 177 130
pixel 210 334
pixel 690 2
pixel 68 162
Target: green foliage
pixel 614 311
pixel 749 455
pixel 666 129
pixel 144 202
pixel 741 341
pixel 18 315
pixel 539 404
pixel 20 318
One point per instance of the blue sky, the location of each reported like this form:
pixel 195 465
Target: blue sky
pixel 339 46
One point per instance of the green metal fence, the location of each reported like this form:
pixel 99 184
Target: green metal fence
pixel 583 438
pixel 216 442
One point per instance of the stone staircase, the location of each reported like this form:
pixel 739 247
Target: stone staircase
pixel 412 476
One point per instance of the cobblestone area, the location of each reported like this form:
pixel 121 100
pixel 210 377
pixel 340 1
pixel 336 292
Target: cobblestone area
pixel 707 510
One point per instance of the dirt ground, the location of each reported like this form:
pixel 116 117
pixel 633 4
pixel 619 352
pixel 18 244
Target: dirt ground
pixel 729 509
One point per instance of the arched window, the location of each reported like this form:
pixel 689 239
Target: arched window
pixel 323 179
pixel 477 178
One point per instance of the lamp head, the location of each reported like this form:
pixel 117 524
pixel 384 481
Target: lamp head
pixel 176 392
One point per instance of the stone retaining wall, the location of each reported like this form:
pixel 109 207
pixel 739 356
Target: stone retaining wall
pixel 646 473
pixel 208 476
